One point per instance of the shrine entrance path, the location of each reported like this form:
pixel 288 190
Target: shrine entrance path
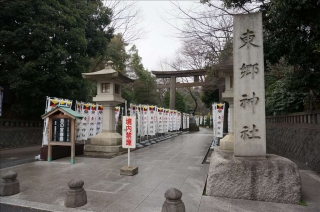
pixel 176 162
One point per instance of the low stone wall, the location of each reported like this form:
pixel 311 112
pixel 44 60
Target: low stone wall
pixel 17 133
pixel 296 141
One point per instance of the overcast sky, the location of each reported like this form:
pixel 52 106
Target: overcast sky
pixel 159 43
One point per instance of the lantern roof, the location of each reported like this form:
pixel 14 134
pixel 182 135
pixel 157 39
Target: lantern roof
pixel 63 109
pixel 107 73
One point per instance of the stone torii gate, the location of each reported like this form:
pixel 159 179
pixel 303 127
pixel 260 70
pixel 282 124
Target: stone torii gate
pixel 223 69
pixel 173 84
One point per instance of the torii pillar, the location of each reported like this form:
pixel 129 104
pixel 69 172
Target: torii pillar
pixel 172 105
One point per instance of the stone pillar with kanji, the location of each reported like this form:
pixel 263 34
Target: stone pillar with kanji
pixel 249 172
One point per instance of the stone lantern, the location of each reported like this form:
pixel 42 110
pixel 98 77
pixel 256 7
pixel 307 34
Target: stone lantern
pixel 109 82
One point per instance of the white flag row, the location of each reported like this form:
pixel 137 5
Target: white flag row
pixel 152 119
pixel 91 123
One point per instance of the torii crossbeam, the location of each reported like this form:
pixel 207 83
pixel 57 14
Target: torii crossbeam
pixel 221 67
pixel 173 75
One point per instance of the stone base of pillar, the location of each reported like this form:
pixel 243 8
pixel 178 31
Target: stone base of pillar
pixel 129 171
pixel 193 124
pixel 271 179
pixel 105 144
pixel 227 142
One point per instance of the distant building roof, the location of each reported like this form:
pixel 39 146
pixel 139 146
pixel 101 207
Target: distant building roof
pixel 226 65
pixel 64 109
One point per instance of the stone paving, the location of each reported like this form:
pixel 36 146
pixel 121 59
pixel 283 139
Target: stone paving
pixel 18 156
pixel 176 162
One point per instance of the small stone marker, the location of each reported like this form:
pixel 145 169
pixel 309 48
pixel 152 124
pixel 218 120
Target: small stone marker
pixel 173 202
pixel 77 196
pixel 9 184
pixel 129 170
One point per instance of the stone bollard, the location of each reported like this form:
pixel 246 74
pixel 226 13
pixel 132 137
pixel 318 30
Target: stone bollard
pixel 77 196
pixel 9 184
pixel 173 202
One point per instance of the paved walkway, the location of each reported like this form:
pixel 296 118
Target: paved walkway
pixel 176 162
pixel 17 156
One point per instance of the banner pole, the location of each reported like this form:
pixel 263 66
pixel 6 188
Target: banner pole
pixel 125 107
pixel 128 157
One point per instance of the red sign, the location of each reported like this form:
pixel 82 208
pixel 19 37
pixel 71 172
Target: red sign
pixel 129 132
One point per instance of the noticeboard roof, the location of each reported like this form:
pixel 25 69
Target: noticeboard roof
pixel 64 109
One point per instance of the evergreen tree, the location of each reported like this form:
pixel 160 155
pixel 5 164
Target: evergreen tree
pixel 180 104
pixel 46 45
pixel 292 33
pixel 144 89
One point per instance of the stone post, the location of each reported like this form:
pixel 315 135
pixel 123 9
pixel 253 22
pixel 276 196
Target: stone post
pixel 173 202
pixel 9 184
pixel 76 196
pixel 172 93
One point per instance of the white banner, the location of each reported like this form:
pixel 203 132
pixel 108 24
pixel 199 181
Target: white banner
pixel 144 129
pixel 214 118
pixel 167 120
pixel 85 127
pixel 219 115
pixel 161 122
pixel 128 131
pixel 178 120
pixel 170 120
pixel 187 121
pixel 139 111
pixel 156 120
pixel 99 116
pixel 174 120
pixel 151 120
pixel 93 121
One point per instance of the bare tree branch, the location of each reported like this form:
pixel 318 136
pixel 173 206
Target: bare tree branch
pixel 126 19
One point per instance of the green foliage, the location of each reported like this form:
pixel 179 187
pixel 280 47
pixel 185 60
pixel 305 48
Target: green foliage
pixel 46 45
pixel 283 89
pixel 227 52
pixel 180 104
pixel 210 93
pixel 207 122
pixel 116 52
pixel 192 98
pixel 208 97
pixel 280 99
pixel 144 89
pixel 292 32
pixel 303 203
